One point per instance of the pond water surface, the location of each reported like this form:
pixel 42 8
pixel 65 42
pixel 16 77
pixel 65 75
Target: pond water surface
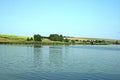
pixel 75 62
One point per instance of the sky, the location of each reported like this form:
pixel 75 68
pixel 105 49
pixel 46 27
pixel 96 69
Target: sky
pixel 79 18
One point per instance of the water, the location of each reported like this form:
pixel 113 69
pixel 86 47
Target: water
pixel 78 62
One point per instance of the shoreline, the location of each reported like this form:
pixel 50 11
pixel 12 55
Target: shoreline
pixel 15 39
pixel 53 43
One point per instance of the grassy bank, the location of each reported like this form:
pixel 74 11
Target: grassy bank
pixel 16 39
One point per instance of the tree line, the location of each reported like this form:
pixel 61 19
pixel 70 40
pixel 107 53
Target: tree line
pixel 52 37
pixel 61 38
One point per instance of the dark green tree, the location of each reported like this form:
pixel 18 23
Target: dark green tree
pixel 66 40
pixel 76 40
pixel 28 39
pixel 37 37
pixel 116 42
pixel 54 37
pixel 91 42
pixel 61 38
pixel 73 41
pixel 31 38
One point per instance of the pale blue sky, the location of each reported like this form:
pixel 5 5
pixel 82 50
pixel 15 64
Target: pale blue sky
pixel 81 18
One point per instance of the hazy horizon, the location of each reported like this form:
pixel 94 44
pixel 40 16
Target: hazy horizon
pixel 79 18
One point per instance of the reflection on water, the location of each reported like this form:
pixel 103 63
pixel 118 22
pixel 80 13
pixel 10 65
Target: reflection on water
pixel 37 56
pixel 55 57
pixel 49 58
pixel 100 47
pixel 37 45
pixel 85 59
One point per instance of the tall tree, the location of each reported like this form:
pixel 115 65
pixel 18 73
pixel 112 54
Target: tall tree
pixel 28 39
pixel 31 38
pixel 61 38
pixel 37 37
pixel 54 37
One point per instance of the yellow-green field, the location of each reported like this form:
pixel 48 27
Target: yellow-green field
pixel 8 38
pixel 12 38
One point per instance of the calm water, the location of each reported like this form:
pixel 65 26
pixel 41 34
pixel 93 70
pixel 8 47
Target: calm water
pixel 80 62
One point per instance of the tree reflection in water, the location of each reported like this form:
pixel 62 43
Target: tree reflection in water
pixel 55 57
pixel 48 58
pixel 37 56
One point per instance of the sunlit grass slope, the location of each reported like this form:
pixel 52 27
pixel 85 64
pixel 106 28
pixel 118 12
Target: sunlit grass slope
pixel 11 38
